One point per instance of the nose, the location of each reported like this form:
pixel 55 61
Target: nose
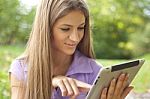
pixel 74 36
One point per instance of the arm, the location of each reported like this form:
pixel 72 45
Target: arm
pixel 17 89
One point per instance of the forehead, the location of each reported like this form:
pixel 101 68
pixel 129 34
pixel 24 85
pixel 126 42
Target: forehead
pixel 75 17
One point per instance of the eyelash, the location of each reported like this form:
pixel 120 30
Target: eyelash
pixel 67 29
pixel 81 28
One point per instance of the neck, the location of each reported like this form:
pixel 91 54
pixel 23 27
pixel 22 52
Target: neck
pixel 61 62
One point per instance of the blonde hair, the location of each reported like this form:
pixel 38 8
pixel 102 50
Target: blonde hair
pixel 38 50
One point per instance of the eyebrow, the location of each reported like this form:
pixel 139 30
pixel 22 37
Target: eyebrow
pixel 71 25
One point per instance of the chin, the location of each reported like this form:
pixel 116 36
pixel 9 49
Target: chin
pixel 69 52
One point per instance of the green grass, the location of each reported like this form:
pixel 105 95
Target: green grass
pixel 8 53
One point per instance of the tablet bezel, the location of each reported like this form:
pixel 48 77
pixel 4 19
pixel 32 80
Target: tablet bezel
pixel 106 74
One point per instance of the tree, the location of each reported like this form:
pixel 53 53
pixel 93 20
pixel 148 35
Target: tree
pixel 14 19
pixel 113 22
pixel 141 41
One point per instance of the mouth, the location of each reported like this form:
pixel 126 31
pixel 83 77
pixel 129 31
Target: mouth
pixel 71 44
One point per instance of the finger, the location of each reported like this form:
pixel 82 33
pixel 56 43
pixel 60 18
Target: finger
pixel 74 87
pixel 62 88
pixel 126 92
pixel 103 94
pixel 84 87
pixel 125 83
pixel 85 90
pixel 111 89
pixel 68 87
pixel 119 84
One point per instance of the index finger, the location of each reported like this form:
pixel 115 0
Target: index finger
pixel 85 87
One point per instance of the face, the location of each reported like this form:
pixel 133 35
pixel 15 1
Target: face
pixel 68 31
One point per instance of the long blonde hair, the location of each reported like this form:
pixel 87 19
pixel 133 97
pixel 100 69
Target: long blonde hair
pixel 38 50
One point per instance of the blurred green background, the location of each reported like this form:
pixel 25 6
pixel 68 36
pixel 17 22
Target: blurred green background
pixel 121 32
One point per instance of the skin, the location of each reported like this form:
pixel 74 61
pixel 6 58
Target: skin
pixel 67 33
pixel 118 89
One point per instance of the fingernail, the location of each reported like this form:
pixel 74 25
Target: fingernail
pixel 123 74
pixel 114 80
pixel 131 89
pixel 128 75
pixel 105 90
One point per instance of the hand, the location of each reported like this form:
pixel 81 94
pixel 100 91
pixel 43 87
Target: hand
pixel 117 89
pixel 69 86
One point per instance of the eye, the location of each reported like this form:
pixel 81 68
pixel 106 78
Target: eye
pixel 80 28
pixel 65 29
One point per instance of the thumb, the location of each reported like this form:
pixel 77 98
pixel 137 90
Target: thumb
pixel 126 91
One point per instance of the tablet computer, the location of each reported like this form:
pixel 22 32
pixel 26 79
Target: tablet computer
pixel 106 74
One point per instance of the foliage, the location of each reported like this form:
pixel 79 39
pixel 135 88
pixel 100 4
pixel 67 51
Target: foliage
pixel 4 86
pixel 141 41
pixel 120 29
pixel 15 21
pixel 113 22
pixel 7 54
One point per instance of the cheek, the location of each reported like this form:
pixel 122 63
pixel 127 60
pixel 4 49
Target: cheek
pixel 57 35
pixel 57 42
pixel 81 35
pixel 59 38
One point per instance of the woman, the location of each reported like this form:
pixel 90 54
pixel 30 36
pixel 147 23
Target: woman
pixel 58 62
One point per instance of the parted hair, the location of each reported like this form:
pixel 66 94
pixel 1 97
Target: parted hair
pixel 38 50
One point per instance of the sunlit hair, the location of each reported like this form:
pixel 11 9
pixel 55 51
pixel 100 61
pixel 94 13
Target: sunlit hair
pixel 38 50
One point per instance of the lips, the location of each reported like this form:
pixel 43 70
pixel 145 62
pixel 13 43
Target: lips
pixel 70 44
